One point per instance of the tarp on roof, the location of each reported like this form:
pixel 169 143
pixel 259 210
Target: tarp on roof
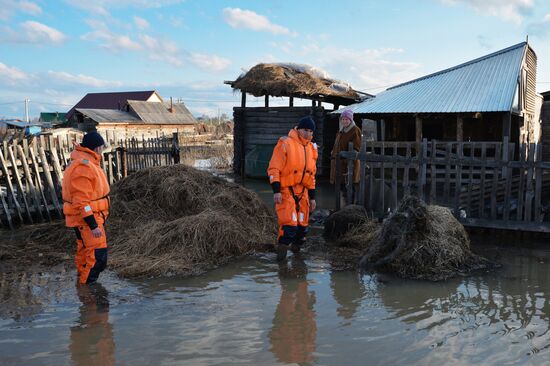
pixel 159 113
pixel 486 84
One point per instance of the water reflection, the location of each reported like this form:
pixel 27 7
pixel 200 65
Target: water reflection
pixel 348 290
pixel 92 340
pixel 294 329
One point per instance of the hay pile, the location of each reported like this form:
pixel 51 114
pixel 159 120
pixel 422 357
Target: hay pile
pixel 179 220
pixel 418 242
pixel 341 221
pixel 290 79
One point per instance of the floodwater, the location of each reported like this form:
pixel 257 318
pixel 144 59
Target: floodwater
pixel 257 312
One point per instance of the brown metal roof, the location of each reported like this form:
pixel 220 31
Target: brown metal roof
pixel 159 113
pixel 115 100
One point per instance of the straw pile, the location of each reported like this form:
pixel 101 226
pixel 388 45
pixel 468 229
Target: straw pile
pixel 417 241
pixel 179 220
pixel 291 79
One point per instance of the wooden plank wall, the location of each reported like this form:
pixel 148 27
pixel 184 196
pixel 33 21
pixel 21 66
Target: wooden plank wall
pixel 265 125
pixel 545 137
pixel 31 171
pixel 483 183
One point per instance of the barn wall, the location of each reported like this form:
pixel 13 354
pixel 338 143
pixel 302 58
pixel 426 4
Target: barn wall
pixel 263 126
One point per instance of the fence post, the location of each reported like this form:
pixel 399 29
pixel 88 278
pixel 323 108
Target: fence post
pixel 362 170
pixel 337 180
pixel 349 187
pixel 458 179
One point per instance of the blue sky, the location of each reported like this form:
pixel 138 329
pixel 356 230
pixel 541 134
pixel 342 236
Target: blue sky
pixel 54 52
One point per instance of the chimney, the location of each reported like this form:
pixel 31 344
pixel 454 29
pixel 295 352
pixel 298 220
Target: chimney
pixel 171 106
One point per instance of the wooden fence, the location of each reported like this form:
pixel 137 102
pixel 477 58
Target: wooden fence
pixel 483 183
pixel 31 172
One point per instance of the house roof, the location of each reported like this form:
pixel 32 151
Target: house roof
pixel 115 100
pixel 159 113
pixel 108 115
pixel 546 95
pixel 486 84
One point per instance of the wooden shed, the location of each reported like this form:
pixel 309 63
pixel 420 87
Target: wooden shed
pixel 491 98
pixel 257 129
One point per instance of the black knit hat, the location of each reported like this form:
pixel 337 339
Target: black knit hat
pixel 306 123
pixel 92 140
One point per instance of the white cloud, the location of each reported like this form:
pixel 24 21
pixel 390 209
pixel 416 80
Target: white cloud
pixel 9 7
pixel 162 50
pixel 32 32
pixel 141 23
pixel 247 19
pixel 109 40
pixel 370 70
pixel 102 7
pixel 30 8
pixel 65 77
pixel 512 10
pixel 11 75
pixel 38 33
pixel 209 62
pixel 547 18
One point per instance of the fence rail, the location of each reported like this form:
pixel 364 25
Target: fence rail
pixel 31 171
pixel 483 183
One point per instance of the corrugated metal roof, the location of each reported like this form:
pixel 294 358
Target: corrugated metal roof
pixel 159 113
pixel 486 84
pixel 108 115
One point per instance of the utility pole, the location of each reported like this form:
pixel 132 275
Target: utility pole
pixel 27 100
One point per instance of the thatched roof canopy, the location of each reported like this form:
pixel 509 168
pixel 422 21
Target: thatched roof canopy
pixel 295 80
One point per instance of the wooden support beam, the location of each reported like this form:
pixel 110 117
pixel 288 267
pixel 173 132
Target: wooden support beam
pixel 291 101
pixel 459 128
pixel 418 125
pixel 243 99
pixel 506 125
pixel 267 101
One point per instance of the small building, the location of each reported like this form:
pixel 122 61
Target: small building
pixel 50 119
pixel 112 100
pixel 147 117
pixel 491 98
pixel 258 128
pixel 545 122
pixel 14 128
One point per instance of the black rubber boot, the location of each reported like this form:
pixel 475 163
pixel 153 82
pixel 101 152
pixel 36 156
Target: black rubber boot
pixel 295 248
pixel 281 251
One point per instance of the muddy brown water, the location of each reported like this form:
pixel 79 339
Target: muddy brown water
pixel 255 311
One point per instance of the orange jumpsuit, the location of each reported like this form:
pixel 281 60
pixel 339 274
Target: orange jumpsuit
pixel 86 206
pixel 292 170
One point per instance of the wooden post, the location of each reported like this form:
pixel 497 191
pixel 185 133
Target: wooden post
pixel 538 184
pixel 506 126
pixel 243 99
pixel 494 188
pixel 459 128
pixel 266 100
pixel 406 186
pixel 482 180
pixel 433 174
pixel 530 195
pixel 458 179
pixel 394 179
pixel 30 184
pixel 291 101
pixel 39 181
pixel 313 103
pixel 418 125
pixel 521 188
pixel 447 184
pixel 382 181
pixel 349 187
pixel 49 180
pixel 19 184
pixel 11 191
pixel 362 171
pixel 470 179
pixel 337 179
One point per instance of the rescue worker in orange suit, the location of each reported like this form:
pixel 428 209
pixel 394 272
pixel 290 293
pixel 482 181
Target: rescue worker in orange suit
pixel 291 174
pixel 86 206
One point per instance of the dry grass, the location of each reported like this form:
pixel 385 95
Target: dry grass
pixel 178 220
pixel 417 241
pixel 279 80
